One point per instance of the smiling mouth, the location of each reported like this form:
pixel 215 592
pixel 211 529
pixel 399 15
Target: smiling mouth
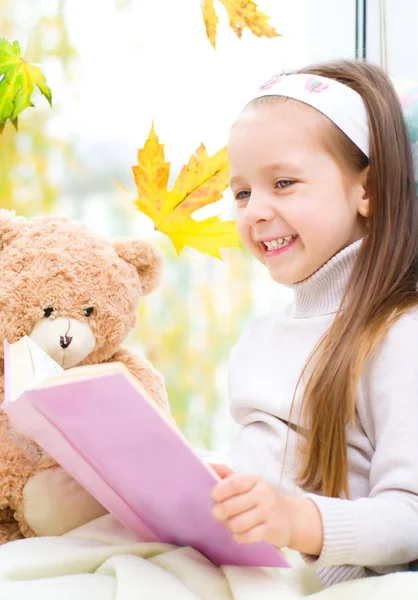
pixel 279 243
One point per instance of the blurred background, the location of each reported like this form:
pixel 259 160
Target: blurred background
pixel 114 66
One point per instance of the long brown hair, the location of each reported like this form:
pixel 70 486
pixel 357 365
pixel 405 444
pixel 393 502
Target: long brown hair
pixel 383 283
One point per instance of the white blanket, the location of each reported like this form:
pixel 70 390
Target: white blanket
pixel 103 561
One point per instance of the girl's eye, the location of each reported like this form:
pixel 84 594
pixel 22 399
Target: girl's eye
pixel 243 195
pixel 283 183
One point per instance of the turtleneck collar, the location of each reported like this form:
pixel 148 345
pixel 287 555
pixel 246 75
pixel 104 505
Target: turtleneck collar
pixel 321 293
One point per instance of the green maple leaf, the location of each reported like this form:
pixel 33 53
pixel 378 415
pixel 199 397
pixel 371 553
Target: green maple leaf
pixel 18 79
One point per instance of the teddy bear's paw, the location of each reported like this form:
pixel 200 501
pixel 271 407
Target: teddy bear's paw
pixel 54 503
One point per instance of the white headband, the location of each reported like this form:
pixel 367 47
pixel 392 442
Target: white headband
pixel 338 102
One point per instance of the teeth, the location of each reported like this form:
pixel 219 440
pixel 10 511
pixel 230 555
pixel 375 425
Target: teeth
pixel 280 242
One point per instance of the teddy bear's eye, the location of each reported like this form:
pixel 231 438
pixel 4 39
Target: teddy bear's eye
pixel 48 311
pixel 88 311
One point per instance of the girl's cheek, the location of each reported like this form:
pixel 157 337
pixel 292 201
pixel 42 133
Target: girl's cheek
pixel 243 231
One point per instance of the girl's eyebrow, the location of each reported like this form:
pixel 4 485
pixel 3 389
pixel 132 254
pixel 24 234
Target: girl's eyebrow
pixel 282 167
pixel 295 169
pixel 235 180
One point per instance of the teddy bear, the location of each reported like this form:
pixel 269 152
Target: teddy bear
pixel 76 295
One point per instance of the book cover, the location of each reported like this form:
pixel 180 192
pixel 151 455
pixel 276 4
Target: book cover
pixel 99 425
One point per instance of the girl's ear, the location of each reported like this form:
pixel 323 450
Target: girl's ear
pixel 364 203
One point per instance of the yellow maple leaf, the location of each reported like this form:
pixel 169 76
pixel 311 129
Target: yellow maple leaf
pixel 241 14
pixel 201 182
pixel 211 20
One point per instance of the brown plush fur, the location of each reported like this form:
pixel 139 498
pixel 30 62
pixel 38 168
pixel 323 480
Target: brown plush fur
pixel 58 263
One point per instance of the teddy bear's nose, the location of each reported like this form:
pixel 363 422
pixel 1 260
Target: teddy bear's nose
pixel 65 341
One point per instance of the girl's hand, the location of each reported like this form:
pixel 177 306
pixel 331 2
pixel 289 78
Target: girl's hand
pixel 253 510
pixel 221 470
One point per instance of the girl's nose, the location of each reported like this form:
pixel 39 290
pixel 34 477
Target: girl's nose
pixel 258 208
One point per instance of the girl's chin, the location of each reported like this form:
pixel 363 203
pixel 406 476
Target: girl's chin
pixel 288 276
pixel 283 277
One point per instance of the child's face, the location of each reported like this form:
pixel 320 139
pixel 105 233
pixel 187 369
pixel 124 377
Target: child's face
pixel 290 192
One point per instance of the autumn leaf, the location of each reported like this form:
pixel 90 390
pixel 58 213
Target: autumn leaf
pixel 201 182
pixel 18 79
pixel 241 14
pixel 211 20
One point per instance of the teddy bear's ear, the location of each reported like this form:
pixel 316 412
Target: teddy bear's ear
pixel 145 257
pixel 10 226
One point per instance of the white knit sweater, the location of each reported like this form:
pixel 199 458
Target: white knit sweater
pixel 376 531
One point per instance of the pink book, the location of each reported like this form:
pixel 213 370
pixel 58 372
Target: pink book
pixel 99 425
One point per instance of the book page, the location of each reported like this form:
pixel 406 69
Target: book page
pixel 43 365
pixel 18 370
pixel 83 372
pixel 27 365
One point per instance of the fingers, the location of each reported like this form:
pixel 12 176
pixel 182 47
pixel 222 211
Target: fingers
pixel 247 526
pixel 254 535
pixel 233 486
pixel 249 508
pixel 221 470
pixel 246 521
pixel 233 506
pixel 239 505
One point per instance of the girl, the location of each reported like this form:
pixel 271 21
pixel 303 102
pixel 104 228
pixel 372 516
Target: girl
pixel 326 391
